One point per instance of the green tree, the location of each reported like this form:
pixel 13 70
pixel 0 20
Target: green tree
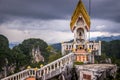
pixel 26 48
pixel 19 59
pixel 112 50
pixel 49 48
pixel 54 56
pixel 4 51
pixel 5 54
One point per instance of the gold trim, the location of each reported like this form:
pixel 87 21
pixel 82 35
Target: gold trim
pixel 80 9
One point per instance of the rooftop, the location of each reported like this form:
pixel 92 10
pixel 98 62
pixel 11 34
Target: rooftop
pixel 96 67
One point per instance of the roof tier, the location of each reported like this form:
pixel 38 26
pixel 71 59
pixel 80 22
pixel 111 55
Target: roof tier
pixel 80 9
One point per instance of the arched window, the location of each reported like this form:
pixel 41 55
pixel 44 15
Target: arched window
pixel 80 34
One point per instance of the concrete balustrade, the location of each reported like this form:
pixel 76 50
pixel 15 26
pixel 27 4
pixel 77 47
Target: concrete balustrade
pixel 55 67
pixel 48 71
pixel 21 75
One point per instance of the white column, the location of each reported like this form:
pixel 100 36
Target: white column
pixel 99 47
pixel 93 59
pixel 63 48
pixel 47 70
pixel 54 66
pixel 61 63
pixel 74 46
pixel 51 68
pixel 40 73
pixel 57 64
pixel 90 58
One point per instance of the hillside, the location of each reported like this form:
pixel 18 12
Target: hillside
pixel 57 46
pixel 19 57
pixel 108 38
pixel 12 44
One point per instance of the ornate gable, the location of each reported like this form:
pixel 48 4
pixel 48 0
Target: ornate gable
pixel 80 10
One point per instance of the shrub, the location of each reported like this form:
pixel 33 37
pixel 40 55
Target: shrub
pixel 78 63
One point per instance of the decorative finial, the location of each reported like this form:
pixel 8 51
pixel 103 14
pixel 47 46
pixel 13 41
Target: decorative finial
pixel 41 65
pixel 36 69
pixel 28 67
pixel 80 0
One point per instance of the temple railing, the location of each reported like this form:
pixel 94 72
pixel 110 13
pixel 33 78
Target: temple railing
pixel 55 67
pixel 21 75
pixel 48 71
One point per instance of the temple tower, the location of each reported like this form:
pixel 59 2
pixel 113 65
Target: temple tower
pixel 80 23
pixel 81 46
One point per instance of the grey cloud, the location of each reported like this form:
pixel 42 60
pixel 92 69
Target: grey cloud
pixel 23 24
pixel 44 9
pixel 58 9
pixel 106 9
pixel 105 26
pixel 49 10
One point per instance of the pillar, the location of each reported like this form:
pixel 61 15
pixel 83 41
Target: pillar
pixel 40 73
pixel 93 59
pixel 44 72
pixel 63 49
pixel 61 63
pixel 54 66
pixel 99 48
pixel 57 64
pixel 90 56
pixel 51 68
pixel 47 70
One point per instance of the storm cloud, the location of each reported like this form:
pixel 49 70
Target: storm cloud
pixel 58 9
pixel 53 16
pixel 44 9
pixel 105 9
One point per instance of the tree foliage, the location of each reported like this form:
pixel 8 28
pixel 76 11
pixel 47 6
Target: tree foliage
pixel 4 51
pixel 54 56
pixel 112 50
pixel 20 56
pixel 19 59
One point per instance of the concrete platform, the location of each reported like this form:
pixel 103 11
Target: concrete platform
pixel 96 71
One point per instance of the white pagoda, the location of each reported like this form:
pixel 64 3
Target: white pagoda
pixel 81 46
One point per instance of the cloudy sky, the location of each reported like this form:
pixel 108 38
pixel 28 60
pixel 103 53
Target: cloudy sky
pixel 50 19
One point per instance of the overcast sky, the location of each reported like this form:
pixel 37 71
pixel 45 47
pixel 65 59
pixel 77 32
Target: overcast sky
pixel 50 19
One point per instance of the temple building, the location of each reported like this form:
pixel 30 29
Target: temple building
pixel 81 46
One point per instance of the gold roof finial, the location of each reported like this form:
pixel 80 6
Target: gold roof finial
pixel 80 10
pixel 28 67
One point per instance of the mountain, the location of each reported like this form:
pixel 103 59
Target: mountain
pixel 108 38
pixel 12 44
pixel 57 46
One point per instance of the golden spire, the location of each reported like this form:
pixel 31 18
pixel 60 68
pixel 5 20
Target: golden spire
pixel 80 9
